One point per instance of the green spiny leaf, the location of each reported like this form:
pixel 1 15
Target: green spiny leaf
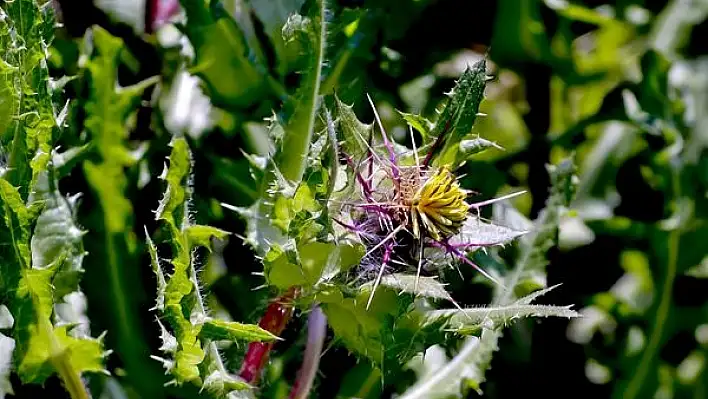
pixel 476 233
pixel 84 354
pixel 221 384
pixel 169 342
pixel 65 161
pixel 501 315
pixel 344 256
pixel 219 330
pixel 528 299
pixel 36 289
pixel 159 274
pixel 474 146
pixel 189 353
pixel 467 368
pixel 45 349
pixel 202 235
pixel 173 206
pixel 261 232
pixel 16 220
pixel 426 286
pixel 38 270
pixel 353 131
pixel 354 144
pixel 108 109
pixel 368 332
pixel 460 112
pixel 313 262
pixel 533 251
pixel 360 332
pixel 194 358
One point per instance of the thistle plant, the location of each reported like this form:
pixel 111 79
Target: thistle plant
pixel 130 130
pixel 363 232
pixel 352 228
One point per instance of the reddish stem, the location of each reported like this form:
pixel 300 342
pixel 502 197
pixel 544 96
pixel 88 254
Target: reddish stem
pixel 274 320
pixel 437 144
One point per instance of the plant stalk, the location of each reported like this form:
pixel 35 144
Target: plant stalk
pixel 70 378
pixel 274 320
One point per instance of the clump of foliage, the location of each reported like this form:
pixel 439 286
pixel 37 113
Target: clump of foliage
pixel 41 244
pixel 195 358
pixel 226 198
pixel 43 252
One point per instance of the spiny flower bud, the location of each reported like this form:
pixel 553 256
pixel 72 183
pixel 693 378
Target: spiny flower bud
pixel 407 209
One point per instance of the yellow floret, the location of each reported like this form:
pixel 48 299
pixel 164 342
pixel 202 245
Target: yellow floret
pixel 439 206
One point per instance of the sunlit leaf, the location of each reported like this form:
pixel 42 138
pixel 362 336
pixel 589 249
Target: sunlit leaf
pixel 477 233
pixel 419 123
pixel 202 235
pixel 28 120
pixel 219 330
pixel 502 315
pixel 354 133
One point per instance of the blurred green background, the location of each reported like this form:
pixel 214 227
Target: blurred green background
pixel 623 85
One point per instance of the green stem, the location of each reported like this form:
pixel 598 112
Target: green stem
pixel 62 363
pixel 125 324
pixel 298 134
pixel 636 384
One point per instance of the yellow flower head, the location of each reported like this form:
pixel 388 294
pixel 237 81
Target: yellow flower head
pixel 439 206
